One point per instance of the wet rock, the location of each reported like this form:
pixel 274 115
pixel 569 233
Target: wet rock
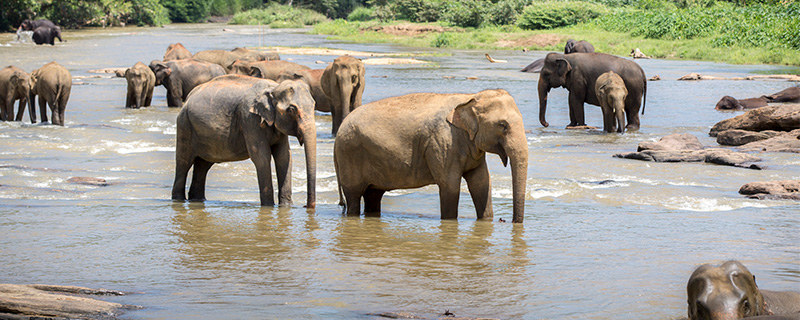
pixel 655 78
pixel 677 141
pixel 119 72
pixel 687 148
pixel 46 301
pixel 581 128
pixel 736 137
pixel 89 181
pixel 785 189
pixel 783 142
pixel 779 118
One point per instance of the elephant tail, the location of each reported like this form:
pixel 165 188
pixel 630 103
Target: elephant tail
pixel 644 95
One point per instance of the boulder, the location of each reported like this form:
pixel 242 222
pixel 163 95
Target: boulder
pixel 736 137
pixel 89 181
pixel 785 189
pixel 677 141
pixel 687 148
pixel 779 118
pixel 48 301
pixel 783 142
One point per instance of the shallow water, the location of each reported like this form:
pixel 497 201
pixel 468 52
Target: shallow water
pixel 603 238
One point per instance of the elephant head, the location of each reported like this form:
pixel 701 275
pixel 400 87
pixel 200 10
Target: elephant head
pixel 570 46
pixel 494 124
pixel 139 78
pixel 343 82
pixel 725 292
pixel 289 108
pixel 554 74
pixel 161 70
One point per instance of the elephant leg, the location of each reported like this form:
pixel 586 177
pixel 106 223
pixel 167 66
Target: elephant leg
pixel 184 159
pixel 449 194
pixel 576 116
pixel 149 97
pixel 372 200
pixel 480 189
pixel 21 109
pixel 608 117
pixel 9 108
pixel 43 108
pixel 129 99
pixel 336 119
pixel 632 105
pixel 283 169
pixel 3 110
pixel 197 191
pixel 260 153
pixel 173 99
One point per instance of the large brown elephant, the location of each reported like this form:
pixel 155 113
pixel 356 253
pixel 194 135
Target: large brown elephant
pixel 420 139
pixel 312 78
pixel 53 84
pixel 179 77
pixel 611 92
pixel 343 83
pixel 15 84
pixel 270 70
pixel 226 58
pixel 255 55
pixel 141 81
pixel 177 51
pixel 729 291
pixel 577 72
pixel 235 117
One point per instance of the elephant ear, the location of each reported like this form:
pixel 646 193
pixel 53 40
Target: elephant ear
pixel 562 67
pixel 264 107
pixel 464 117
pixel 256 72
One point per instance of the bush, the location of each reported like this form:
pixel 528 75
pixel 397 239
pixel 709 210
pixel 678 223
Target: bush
pixel 231 7
pixel 187 10
pixel 148 12
pixel 361 14
pixel 505 12
pixel 464 13
pixel 415 10
pixel 290 16
pixel 442 40
pixel 549 15
pixel 12 12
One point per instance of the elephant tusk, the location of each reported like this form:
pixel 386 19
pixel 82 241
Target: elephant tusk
pixel 488 57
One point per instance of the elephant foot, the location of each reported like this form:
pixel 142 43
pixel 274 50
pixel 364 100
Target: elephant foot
pixel 632 127
pixel 581 127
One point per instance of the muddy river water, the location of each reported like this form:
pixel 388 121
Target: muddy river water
pixel 603 238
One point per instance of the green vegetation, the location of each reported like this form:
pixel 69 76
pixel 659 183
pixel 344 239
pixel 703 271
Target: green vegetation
pixel 279 16
pixel 550 15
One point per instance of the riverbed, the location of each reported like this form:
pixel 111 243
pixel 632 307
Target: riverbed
pixel 603 238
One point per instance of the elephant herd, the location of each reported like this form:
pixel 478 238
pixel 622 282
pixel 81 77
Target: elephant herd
pixel 52 83
pixel 44 31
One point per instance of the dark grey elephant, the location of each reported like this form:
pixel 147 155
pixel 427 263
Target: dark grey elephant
pixel 47 35
pixel 312 78
pixel 729 291
pixel 570 47
pixel 179 77
pixel 15 84
pixel 30 25
pixel 791 94
pixel 578 72
pixel 235 117
pixel 421 139
pixel 731 103
pixel 141 81
pixel 343 83
pixel 53 84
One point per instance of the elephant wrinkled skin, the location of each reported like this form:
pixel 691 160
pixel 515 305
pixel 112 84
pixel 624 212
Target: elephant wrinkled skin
pixel 729 291
pixel 141 81
pixel 420 139
pixel 15 84
pixel 611 92
pixel 343 83
pixel 53 84
pixel 578 72
pixel 179 77
pixel 312 78
pixel 235 117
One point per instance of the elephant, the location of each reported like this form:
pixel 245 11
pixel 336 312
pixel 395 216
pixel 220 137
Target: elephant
pixel 420 139
pixel 578 72
pixel 236 117
pixel 611 92
pixel 177 51
pixel 141 81
pixel 729 291
pixel 47 35
pixel 30 25
pixel 222 58
pixel 791 94
pixel 570 47
pixel 343 83
pixel 731 103
pixel 15 84
pixel 53 84
pixel 254 55
pixel 179 77
pixel 270 70
pixel 312 78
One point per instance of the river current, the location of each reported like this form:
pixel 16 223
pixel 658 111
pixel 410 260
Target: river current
pixel 603 238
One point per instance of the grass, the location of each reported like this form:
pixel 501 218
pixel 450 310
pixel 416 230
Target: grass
pixel 514 38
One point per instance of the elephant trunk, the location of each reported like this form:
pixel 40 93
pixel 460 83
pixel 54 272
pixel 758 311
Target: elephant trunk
pixel 619 110
pixel 309 129
pixel 544 89
pixel 138 93
pixel 517 150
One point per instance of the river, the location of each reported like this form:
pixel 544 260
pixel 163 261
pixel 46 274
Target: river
pixel 603 238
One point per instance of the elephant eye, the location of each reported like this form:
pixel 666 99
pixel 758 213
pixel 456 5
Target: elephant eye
pixel 354 78
pixel 746 307
pixel 503 125
pixel 292 109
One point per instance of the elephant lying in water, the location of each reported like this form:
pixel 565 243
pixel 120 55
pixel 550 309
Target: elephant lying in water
pixel 420 139
pixel 729 291
pixel 791 95
pixel 235 117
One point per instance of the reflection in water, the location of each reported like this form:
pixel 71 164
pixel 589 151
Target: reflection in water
pixel 601 234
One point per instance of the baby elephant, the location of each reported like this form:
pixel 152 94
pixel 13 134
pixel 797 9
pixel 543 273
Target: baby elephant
pixel 611 93
pixel 729 291
pixel 141 81
pixel 15 84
